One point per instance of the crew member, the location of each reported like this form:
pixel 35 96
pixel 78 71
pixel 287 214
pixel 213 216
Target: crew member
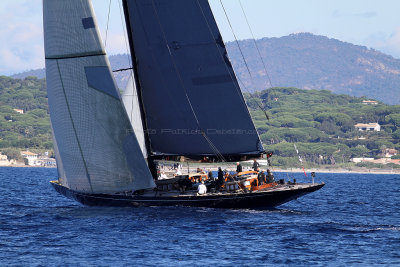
pixel 201 189
pixel 238 167
pixel 210 175
pixel 220 178
pixel 270 177
pixel 184 184
pixel 260 177
pixel 256 165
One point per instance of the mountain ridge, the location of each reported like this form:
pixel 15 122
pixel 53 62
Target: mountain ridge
pixel 304 61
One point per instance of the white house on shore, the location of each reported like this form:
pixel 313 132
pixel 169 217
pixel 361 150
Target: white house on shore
pixel 376 161
pixel 370 102
pixel 368 127
pixel 4 160
pixel 358 160
pixel 34 159
pixel 30 156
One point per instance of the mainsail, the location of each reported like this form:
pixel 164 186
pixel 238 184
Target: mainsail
pixel 97 150
pixel 190 97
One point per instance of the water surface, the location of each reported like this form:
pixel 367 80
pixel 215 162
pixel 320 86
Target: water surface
pixel 354 220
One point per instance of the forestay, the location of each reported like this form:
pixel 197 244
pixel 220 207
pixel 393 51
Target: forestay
pixel 96 148
pixel 191 99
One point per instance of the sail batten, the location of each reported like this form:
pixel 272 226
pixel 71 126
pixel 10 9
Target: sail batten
pixel 96 148
pixel 191 98
pixel 76 55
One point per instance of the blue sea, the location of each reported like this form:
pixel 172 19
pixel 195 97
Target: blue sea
pixel 353 221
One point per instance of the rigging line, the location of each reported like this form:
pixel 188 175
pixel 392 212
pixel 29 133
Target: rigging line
pixel 236 40
pixel 255 99
pixel 125 37
pixel 255 43
pixel 173 62
pixel 212 146
pixel 241 52
pixel 231 74
pixel 108 22
pixel 156 64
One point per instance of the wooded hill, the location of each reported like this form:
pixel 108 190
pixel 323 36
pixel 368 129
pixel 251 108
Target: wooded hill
pixel 303 61
pixel 310 61
pixel 319 122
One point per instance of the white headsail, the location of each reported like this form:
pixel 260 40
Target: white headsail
pixel 97 150
pixel 131 103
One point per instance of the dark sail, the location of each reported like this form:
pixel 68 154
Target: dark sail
pixel 191 100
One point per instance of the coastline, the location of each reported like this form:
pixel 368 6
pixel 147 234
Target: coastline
pixel 22 165
pixel 295 170
pixel 341 170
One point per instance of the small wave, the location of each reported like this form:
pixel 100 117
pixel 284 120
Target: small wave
pixel 361 229
pixel 394 228
pixel 266 211
pixel 355 228
pixel 357 202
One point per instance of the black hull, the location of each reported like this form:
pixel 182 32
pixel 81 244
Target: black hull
pixel 260 199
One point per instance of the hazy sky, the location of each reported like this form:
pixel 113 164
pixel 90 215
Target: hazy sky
pixel 373 23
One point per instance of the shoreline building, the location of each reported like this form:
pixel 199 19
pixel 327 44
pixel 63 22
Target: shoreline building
pixel 368 127
pixel 370 102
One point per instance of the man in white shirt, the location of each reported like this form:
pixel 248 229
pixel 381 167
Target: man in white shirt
pixel 201 189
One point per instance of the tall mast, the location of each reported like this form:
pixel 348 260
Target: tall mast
pixel 150 160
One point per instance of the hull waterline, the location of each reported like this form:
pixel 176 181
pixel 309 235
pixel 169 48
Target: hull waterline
pixel 261 199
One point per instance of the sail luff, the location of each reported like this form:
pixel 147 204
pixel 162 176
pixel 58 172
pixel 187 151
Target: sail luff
pixel 131 103
pixel 151 164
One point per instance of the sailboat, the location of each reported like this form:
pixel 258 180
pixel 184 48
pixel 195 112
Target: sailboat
pixel 185 101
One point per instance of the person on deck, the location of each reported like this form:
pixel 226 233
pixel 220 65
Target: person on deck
pixel 260 177
pixel 270 177
pixel 238 167
pixel 201 189
pixel 210 175
pixel 163 176
pixel 220 178
pixel 256 165
pixel 184 184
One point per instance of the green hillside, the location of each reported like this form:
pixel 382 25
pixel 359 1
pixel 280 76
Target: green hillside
pixel 28 130
pixel 320 123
